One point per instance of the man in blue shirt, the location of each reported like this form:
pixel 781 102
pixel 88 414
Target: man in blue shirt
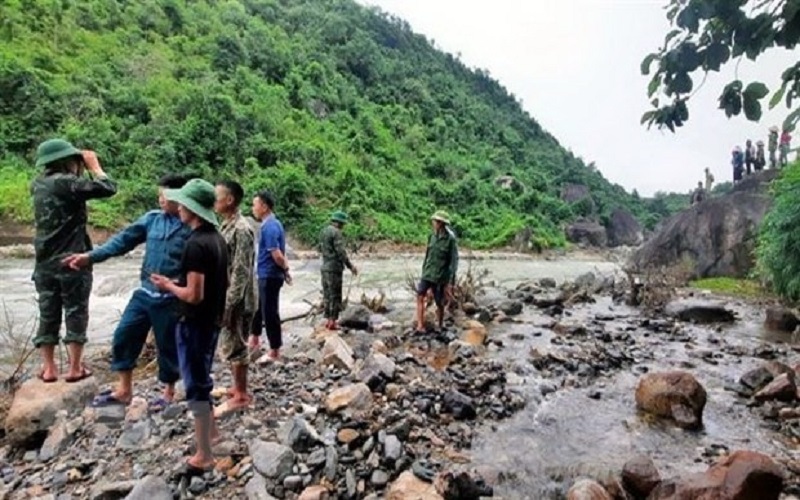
pixel 164 236
pixel 272 269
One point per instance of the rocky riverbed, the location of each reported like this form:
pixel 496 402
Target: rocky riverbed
pixel 534 391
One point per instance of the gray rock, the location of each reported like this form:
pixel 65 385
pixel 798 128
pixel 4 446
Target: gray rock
pixel 547 283
pixel 112 491
pixel 350 482
pixel 587 233
pixel 376 370
pixel 111 414
pixel 256 489
pixel 392 448
pixel 586 280
pixel 511 307
pixel 699 311
pixel 624 229
pixel 272 460
pixel 151 488
pixel 135 436
pixel 379 478
pixel 331 462
pixel 57 439
pixel 338 353
pixel 316 458
pixel 293 483
pixel 299 435
pixel 459 405
pixel 356 317
pixel 197 485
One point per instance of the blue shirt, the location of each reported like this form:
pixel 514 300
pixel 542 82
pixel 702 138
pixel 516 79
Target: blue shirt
pixel 164 236
pixel 272 237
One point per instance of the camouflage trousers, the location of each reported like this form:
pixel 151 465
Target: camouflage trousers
pixel 62 292
pixel 233 337
pixel 332 293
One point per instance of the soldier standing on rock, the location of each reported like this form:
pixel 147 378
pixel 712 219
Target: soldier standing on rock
pixel 164 236
pixel 59 195
pixel 749 156
pixel 202 292
pixel 334 260
pixel 773 147
pixel 761 160
pixel 438 270
pixel 737 161
pixel 241 299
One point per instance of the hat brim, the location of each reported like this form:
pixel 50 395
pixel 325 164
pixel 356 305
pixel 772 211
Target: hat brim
pixel 440 219
pixel 66 153
pixel 339 219
pixel 207 214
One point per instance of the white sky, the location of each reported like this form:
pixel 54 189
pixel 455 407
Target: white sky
pixel 575 65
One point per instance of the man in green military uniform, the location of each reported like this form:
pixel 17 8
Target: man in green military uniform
pixel 438 269
pixel 59 196
pixel 334 260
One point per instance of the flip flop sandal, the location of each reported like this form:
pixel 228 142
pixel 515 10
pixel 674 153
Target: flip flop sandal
pixel 189 471
pixel 85 373
pixel 158 404
pixel 107 398
pixel 49 380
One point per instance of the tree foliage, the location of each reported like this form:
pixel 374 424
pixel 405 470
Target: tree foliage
pixel 779 241
pixel 327 103
pixel 707 35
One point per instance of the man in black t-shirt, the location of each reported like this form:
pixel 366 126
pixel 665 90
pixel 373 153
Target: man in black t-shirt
pixel 201 293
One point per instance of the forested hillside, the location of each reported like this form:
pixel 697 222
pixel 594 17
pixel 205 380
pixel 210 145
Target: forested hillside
pixel 325 102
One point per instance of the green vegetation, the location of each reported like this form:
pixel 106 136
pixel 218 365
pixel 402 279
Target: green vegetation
pixel 326 103
pixel 706 35
pixel 731 286
pixel 779 239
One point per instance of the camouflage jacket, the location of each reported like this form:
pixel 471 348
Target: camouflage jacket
pixel 59 210
pixel 331 246
pixel 441 258
pixel 240 239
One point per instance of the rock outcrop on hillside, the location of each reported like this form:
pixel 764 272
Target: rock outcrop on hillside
pixel 717 237
pixel 623 229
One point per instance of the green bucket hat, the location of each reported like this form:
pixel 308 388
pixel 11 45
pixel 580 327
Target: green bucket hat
pixel 53 150
pixel 198 197
pixel 339 216
pixel 441 216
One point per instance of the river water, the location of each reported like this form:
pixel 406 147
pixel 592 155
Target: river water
pixel 557 437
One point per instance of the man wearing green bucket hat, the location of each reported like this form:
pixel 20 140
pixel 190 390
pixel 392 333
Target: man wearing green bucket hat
pixel 334 260
pixel 438 269
pixel 201 292
pixel 60 194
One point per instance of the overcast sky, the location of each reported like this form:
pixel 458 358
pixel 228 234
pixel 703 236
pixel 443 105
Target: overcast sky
pixel 575 65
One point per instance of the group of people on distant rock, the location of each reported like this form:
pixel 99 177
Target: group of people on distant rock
pixel 753 159
pixel 197 283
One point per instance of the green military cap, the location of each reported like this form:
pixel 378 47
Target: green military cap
pixel 197 196
pixel 339 216
pixel 441 216
pixel 53 150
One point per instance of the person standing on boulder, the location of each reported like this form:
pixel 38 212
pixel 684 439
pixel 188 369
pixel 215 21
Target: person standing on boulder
pixel 60 194
pixel 709 180
pixel 738 164
pixel 438 269
pixel 749 156
pixel 241 298
pixel 201 290
pixel 786 141
pixel 164 236
pixel 699 194
pixel 761 160
pixel 273 271
pixel 773 147
pixel 334 260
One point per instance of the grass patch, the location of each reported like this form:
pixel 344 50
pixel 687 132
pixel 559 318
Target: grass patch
pixel 732 286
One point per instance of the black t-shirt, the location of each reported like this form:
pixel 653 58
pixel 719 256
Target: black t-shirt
pixel 206 253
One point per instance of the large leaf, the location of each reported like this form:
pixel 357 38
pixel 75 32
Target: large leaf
pixel 757 90
pixel 688 20
pixel 791 121
pixel 655 82
pixel 717 54
pixel 681 84
pixel 647 62
pixel 752 108
pixel 776 98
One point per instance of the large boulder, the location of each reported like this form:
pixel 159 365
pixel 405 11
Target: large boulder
pixel 716 236
pixel 572 193
pixel 587 233
pixel 781 319
pixel 408 486
pixel 640 476
pixel 356 317
pixel 623 229
pixel 700 311
pixel 36 405
pixel 676 395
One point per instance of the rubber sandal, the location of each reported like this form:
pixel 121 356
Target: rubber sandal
pixel 107 398
pixel 158 404
pixel 85 373
pixel 189 471
pixel 46 380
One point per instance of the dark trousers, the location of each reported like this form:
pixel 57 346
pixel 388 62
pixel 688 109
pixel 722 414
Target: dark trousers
pixel 269 295
pixel 142 313
pixel 332 293
pixel 196 347
pixel 66 293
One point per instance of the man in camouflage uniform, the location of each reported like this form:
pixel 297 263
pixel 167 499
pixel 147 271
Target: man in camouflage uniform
pixel 438 269
pixel 334 260
pixel 773 147
pixel 241 301
pixel 59 200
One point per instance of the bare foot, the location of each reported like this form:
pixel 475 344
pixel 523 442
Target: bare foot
pixel 200 462
pixel 274 354
pixel 232 405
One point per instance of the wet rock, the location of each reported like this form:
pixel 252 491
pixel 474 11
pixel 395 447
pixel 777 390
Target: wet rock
pixel 758 378
pixel 337 352
pixel 640 476
pixel 299 435
pixel 547 283
pixel 115 490
pixel 272 460
pixel 456 485
pixel 356 317
pixel 676 395
pixel 781 319
pixel 316 492
pixel 586 489
pixel 511 307
pixel 586 281
pixel 459 405
pixel 353 398
pixel 742 475
pixel 782 388
pixel 699 311
pixel 256 489
pixel 36 404
pixel 407 486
